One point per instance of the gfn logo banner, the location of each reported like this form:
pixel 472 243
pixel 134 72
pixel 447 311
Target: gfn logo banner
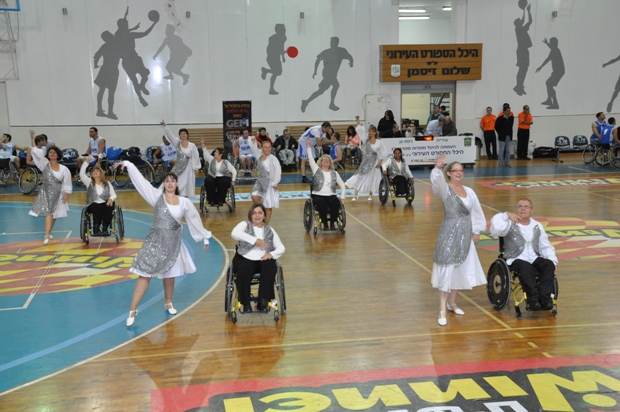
pixel 567 388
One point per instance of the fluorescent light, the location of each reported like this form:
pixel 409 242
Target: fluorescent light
pixel 414 18
pixel 446 8
pixel 412 11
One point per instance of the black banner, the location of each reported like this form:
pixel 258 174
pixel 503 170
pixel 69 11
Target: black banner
pixel 237 117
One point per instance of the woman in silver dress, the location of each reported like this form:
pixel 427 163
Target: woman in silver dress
pixel 265 189
pixel 187 163
pixel 51 201
pixel 163 254
pixel 456 265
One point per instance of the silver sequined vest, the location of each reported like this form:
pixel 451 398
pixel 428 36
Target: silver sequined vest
pixel 162 245
pixel 47 199
pixel 514 242
pixel 182 161
pixel 91 193
pixel 397 170
pixel 262 181
pixel 245 247
pixel 319 178
pixel 455 232
pixel 369 161
pixel 223 168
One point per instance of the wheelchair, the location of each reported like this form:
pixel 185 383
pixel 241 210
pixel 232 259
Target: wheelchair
pixel 229 200
pixel 133 154
pixel 503 283
pixel 231 298
pixel 117 226
pixel 388 189
pixel 312 220
pixel 30 180
pixel 161 168
pixel 8 170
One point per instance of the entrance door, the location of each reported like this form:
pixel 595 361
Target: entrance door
pixel 419 98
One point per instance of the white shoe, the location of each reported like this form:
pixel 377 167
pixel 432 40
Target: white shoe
pixel 455 309
pixel 46 240
pixel 131 319
pixel 171 310
pixel 354 199
pixel 442 318
pixel 370 198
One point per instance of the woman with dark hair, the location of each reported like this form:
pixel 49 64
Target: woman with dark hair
pixel 398 171
pixel 51 201
pixel 386 123
pixel 163 254
pixel 368 176
pixel 456 265
pixel 100 197
pixel 352 142
pixel 259 247
pixel 220 175
pixel 187 163
pixel 269 175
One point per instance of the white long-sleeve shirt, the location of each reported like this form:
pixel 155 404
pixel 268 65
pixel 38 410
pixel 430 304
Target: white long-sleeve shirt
pixel 218 165
pixel 98 188
pixel 238 233
pixel 273 165
pixel 327 176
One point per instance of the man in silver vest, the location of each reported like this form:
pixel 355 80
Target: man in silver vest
pixel 528 251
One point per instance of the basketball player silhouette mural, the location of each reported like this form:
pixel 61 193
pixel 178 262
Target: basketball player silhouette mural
pixel 179 53
pixel 524 42
pixel 331 58
pixel 125 39
pixel 275 52
pixel 610 105
pixel 557 72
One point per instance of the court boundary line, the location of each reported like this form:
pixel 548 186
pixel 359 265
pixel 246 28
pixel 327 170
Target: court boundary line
pixel 92 358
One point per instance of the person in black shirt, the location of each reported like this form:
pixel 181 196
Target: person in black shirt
pixel 393 132
pixel 504 125
pixel 386 123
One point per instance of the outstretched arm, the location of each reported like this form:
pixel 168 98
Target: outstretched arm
pixel 144 33
pixel 316 65
pixel 163 44
pixel 529 16
pixel 612 61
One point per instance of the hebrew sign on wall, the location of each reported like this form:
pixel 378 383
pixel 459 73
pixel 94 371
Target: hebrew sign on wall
pixel 430 62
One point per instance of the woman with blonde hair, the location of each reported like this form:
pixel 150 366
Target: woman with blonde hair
pixel 100 197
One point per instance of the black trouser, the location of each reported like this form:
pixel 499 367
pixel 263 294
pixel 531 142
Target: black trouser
pixel 401 185
pixel 490 143
pixel 545 270
pixel 246 269
pixel 101 211
pixel 325 205
pixel 523 138
pixel 216 188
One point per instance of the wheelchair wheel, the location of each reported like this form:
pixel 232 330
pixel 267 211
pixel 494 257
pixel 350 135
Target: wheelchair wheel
pixel 121 177
pixel 342 218
pixel 614 156
pixel 203 200
pixel 280 294
pixel 227 292
pixel 588 153
pixel 84 226
pixel 120 224
pixel 384 190
pixel 498 284
pixel 600 157
pixel 230 199
pixel 340 170
pixel 147 171
pixel 28 180
pixel 308 215
pixel 411 194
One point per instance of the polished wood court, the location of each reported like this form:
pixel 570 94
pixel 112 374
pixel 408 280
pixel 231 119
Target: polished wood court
pixel 357 302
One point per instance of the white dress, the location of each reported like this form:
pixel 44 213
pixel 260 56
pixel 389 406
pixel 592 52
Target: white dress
pixel 368 182
pixel 64 175
pixel 185 208
pixel 271 198
pixel 469 273
pixel 187 179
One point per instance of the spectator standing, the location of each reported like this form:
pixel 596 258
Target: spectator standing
pixel 523 132
pixel 487 124
pixel 504 125
pixel 435 115
pixel 386 123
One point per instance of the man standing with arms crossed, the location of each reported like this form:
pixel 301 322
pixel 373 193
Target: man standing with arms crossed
pixel 523 132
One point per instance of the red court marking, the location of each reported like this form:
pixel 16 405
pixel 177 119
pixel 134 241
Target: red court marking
pixel 188 397
pixel 292 52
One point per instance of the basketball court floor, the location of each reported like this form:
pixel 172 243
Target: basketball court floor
pixel 360 330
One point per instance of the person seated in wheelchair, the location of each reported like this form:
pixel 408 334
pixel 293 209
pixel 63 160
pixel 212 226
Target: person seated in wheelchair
pixel 527 250
pixel 398 171
pixel 352 143
pixel 100 197
pixel 608 133
pixel 166 152
pixel 220 175
pixel 335 151
pixel 7 148
pixel 259 248
pixel 286 148
pixel 96 148
pixel 324 189
pixel 246 158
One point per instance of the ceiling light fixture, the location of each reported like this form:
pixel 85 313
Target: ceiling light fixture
pixel 414 18
pixel 412 11
pixel 446 8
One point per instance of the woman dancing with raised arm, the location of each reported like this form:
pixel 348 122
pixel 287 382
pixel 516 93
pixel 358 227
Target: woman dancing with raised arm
pixel 187 163
pixel 163 254
pixel 269 174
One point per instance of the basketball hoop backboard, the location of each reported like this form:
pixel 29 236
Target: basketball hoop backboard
pixel 10 5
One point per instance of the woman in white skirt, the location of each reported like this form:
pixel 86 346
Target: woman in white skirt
pixel 265 189
pixel 456 265
pixel 368 176
pixel 163 254
pixel 187 163
pixel 51 201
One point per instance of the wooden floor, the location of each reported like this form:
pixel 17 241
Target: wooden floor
pixel 358 302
